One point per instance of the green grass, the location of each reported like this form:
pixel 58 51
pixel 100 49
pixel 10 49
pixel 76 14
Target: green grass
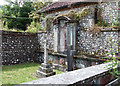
pixel 57 71
pixel 20 73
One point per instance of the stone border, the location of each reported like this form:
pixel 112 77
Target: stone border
pixel 74 77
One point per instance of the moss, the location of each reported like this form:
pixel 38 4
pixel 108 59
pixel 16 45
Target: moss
pixel 78 15
pixel 14 30
pixel 48 22
pixel 103 52
pixel 73 15
pixel 50 62
pixel 95 31
pixel 83 29
pixel 64 66
pixel 34 27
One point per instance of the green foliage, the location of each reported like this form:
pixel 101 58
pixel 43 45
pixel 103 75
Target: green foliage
pixel 57 71
pixel 14 30
pixel 34 27
pixel 16 15
pixel 100 22
pixel 48 22
pixel 37 6
pixel 50 62
pixel 85 12
pixel 73 15
pixel 19 14
pixel 65 66
pixel 78 15
pixel 114 65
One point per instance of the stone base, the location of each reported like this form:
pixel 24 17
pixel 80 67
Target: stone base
pixel 44 70
pixel 60 67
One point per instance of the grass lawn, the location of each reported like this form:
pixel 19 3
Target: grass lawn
pixel 20 73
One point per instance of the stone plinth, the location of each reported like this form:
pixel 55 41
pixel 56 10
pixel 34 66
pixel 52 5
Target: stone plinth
pixel 45 70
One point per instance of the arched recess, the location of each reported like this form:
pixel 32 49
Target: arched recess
pixel 58 18
pixel 64 33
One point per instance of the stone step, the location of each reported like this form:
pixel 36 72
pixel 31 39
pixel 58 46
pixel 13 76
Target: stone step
pixel 45 65
pixel 45 70
pixel 41 74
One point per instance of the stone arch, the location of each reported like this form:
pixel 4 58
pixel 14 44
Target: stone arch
pixel 56 19
pixel 64 34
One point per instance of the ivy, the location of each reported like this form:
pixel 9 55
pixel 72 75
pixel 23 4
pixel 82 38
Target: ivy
pixel 48 22
pixel 114 65
pixel 73 15
pixel 34 27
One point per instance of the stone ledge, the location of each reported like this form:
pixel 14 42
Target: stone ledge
pixel 95 58
pixel 73 77
pixel 59 67
pixel 41 74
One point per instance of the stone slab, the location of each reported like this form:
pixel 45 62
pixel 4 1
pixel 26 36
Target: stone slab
pixel 73 77
pixel 41 74
pixel 45 70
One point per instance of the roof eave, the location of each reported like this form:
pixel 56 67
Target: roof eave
pixel 74 5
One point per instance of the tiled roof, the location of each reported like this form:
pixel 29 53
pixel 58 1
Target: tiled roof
pixel 58 5
pixel 55 5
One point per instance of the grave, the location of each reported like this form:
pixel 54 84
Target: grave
pixel 45 70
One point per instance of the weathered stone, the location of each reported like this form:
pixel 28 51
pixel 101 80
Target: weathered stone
pixel 41 74
pixel 79 77
pixel 45 69
pixel 69 59
pixel 45 65
pixel 19 47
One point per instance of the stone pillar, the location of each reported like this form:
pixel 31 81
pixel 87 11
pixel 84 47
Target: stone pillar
pixel 45 69
pixel 45 53
pixel 119 42
pixel 69 59
pixel 55 38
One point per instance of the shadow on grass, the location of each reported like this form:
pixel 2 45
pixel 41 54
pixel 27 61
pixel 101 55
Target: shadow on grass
pixel 9 84
pixel 18 66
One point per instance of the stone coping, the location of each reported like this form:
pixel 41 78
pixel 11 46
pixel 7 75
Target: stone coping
pixel 52 53
pixel 90 58
pixel 109 29
pixel 5 31
pixel 77 56
pixel 73 77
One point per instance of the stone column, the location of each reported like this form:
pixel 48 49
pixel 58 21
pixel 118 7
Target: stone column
pixel 69 59
pixel 119 42
pixel 45 69
pixel 45 53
